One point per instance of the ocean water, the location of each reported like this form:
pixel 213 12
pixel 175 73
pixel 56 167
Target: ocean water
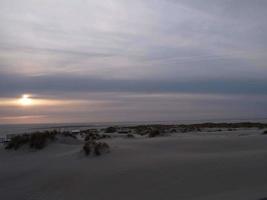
pixel 28 128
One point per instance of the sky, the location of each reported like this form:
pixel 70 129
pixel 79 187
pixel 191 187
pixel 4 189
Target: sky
pixel 124 60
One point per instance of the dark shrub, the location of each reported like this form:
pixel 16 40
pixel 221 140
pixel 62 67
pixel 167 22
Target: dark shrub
pixel 87 148
pixel 68 134
pixel 87 138
pixel 95 136
pixel 88 131
pixel 17 141
pixel 129 135
pixel 198 129
pixel 97 147
pixel 110 130
pixel 100 148
pixel 173 130
pixel 38 140
pixel 97 150
pixel 154 133
pixel 265 132
pixel 105 136
pixel 92 136
pixel 142 130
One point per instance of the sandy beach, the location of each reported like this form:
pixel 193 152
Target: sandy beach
pixel 191 166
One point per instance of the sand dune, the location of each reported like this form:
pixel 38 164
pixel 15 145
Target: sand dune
pixel 185 167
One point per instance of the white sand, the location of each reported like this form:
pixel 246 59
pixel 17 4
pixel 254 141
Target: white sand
pixel 224 166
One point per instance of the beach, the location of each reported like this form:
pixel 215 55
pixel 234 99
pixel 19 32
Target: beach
pixel 225 165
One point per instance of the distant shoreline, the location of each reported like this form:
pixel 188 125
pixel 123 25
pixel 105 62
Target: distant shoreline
pixel 181 121
pixel 20 129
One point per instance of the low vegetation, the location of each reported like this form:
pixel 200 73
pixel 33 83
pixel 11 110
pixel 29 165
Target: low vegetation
pixel 227 125
pixel 96 148
pixel 18 141
pixel 92 145
pixel 129 135
pixel 111 129
pixel 39 140
pixel 185 128
pixel 68 134
pixel 154 133
pixel 95 136
pixel 36 140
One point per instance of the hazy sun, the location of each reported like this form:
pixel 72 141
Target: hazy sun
pixel 25 100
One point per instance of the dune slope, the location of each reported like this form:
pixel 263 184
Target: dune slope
pixel 188 168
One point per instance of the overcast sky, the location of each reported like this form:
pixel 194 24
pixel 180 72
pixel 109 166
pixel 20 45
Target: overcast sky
pixel 141 60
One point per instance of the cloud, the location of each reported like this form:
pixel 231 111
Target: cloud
pixel 61 84
pixel 70 49
pixel 109 36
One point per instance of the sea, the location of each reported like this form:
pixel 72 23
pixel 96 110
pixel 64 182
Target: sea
pixel 6 129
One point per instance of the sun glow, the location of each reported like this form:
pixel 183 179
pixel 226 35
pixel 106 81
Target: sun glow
pixel 25 100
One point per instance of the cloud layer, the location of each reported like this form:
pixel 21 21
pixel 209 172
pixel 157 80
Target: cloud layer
pixel 70 49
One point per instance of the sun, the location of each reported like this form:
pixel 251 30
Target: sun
pixel 25 100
